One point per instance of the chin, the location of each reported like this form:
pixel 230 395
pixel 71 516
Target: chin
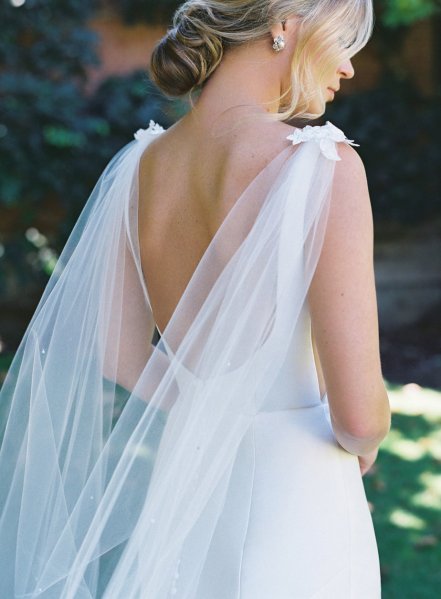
pixel 317 108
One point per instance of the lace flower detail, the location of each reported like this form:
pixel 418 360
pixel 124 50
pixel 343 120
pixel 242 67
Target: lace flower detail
pixel 153 128
pixel 325 136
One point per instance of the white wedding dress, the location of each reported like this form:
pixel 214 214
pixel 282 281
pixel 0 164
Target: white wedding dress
pixel 304 531
pixel 202 467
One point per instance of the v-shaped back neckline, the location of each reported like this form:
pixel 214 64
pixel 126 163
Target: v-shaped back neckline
pixel 326 136
pixel 292 150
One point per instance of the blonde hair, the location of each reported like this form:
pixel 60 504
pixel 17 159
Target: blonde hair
pixel 329 32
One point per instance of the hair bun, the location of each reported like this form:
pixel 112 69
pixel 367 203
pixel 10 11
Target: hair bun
pixel 187 54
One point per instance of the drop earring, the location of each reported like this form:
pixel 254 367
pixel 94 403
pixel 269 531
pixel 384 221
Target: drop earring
pixel 279 43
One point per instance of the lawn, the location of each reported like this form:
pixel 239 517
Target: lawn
pixel 404 491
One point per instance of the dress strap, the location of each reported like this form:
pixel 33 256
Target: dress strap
pixel 325 136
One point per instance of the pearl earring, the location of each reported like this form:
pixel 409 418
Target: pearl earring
pixel 279 43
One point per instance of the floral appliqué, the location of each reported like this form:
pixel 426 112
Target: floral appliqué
pixel 153 128
pixel 325 136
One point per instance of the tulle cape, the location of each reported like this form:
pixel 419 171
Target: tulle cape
pixel 117 450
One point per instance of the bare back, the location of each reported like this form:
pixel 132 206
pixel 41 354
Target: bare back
pixel 188 184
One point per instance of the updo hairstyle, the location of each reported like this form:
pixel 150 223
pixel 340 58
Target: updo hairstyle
pixel 329 32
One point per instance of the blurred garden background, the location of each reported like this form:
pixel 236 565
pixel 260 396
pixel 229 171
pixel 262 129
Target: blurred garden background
pixel 74 87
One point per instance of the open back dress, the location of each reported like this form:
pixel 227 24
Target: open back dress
pixel 200 463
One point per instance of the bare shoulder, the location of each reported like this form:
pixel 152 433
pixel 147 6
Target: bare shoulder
pixel 351 203
pixel 350 229
pixel 350 172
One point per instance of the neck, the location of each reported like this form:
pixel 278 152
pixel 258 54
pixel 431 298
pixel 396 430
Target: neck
pixel 247 79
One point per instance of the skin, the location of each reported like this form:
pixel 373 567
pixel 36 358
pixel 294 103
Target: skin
pixel 342 296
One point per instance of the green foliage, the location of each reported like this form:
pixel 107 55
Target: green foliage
pixel 149 11
pixel 398 132
pixel 55 140
pixel 395 13
pixel 48 38
pixel 45 51
pixel 125 103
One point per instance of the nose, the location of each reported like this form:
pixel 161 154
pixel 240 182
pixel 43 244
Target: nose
pixel 346 70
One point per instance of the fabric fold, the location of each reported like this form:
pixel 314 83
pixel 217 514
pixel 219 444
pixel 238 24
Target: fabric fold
pixel 117 453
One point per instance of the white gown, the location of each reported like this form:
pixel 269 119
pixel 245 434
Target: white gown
pixel 305 530
pixel 296 522
pixel 203 467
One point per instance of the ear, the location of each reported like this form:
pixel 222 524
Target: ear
pixel 278 29
pixel 286 27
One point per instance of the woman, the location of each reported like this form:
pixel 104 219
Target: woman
pixel 224 461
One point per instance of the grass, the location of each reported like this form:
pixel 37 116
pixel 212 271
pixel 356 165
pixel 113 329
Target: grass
pixel 404 492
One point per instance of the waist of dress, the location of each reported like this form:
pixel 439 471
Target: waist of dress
pixel 320 405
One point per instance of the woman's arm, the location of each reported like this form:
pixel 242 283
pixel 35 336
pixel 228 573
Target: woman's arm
pixel 343 307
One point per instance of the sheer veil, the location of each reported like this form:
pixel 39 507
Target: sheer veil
pixel 117 452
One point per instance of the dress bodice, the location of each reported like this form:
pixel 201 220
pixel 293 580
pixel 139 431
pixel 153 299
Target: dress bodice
pixel 296 384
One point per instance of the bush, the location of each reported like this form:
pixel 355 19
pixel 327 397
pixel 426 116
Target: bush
pixel 148 11
pixel 54 139
pixel 399 134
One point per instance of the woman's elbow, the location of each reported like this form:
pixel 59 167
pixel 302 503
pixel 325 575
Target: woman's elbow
pixel 363 433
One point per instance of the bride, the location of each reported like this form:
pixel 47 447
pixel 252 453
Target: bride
pixel 199 392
